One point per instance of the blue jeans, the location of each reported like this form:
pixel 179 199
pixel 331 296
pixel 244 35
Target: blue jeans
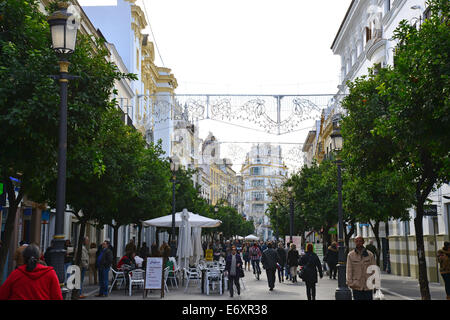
pixel 362 295
pixel 103 280
pixel 446 277
pixel 83 272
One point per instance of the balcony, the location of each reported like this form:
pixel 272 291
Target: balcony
pixel 376 46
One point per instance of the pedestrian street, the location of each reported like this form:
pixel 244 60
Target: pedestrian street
pixel 393 288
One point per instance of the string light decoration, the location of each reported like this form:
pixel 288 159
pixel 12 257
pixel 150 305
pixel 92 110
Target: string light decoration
pixel 273 114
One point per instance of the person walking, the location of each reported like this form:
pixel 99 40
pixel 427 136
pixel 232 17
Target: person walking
pixel 358 260
pixel 255 256
pixel 104 262
pixel 32 280
pixel 246 256
pixel 282 257
pixel 269 260
pixel 331 258
pixel 216 251
pixel 311 265
pixel 84 264
pixel 92 264
pixel 233 267
pixel 68 258
pixel 444 269
pixel 287 268
pixel 292 261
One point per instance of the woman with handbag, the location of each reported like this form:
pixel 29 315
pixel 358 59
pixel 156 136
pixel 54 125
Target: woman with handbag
pixel 292 261
pixel 233 267
pixel 311 265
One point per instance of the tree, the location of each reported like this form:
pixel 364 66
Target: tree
pixel 154 189
pixel 28 97
pixel 122 150
pixel 408 106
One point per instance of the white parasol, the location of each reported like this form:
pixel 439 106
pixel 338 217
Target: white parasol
pixel 184 247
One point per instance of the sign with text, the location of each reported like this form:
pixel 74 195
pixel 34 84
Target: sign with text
pixel 430 210
pixel 209 255
pixel 153 273
pixel 297 240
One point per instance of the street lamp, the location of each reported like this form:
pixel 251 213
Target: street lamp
pixel 277 222
pixel 63 26
pixel 174 165
pixel 342 292
pixel 291 207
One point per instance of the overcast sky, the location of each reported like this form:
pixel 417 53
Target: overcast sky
pixel 246 47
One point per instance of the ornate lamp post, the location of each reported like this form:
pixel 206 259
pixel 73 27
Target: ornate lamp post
pixel 63 26
pixel 174 166
pixel 342 292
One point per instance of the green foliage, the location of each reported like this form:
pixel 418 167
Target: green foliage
pixel 232 222
pixel 28 96
pixel 395 132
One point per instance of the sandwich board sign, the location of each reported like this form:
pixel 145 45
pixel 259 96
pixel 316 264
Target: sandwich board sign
pixel 154 277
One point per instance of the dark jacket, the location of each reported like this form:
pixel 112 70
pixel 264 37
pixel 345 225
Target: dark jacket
pixel 282 256
pixel 105 258
pixel 228 263
pixel 311 263
pixel 292 258
pixel 269 258
pixel 331 257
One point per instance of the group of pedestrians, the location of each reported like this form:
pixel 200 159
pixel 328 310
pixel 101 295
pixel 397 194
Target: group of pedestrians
pixel 287 260
pixel 33 279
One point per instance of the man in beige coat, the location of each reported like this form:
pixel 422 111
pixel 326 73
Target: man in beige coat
pixel 358 261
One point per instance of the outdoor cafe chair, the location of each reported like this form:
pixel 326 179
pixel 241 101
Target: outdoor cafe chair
pixel 136 276
pixel 175 275
pixel 118 275
pixel 166 276
pixel 193 274
pixel 213 276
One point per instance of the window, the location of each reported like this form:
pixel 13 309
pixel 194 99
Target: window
pixel 448 217
pixel 257 196
pixel 256 171
pixel 368 34
pixel 387 6
pixel 427 14
pixel 258 183
pixel 257 208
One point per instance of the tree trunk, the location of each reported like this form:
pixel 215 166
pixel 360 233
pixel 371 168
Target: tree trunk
pixel 376 231
pixel 139 242
pixel 9 226
pixel 327 238
pixel 423 277
pixel 347 237
pixel 82 223
pixel 116 236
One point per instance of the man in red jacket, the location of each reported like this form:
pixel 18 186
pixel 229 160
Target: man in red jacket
pixel 31 281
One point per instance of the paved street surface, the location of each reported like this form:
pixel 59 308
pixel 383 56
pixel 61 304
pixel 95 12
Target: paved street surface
pixel 393 287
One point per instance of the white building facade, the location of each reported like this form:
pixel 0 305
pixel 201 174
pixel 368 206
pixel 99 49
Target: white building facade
pixel 263 170
pixel 364 40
